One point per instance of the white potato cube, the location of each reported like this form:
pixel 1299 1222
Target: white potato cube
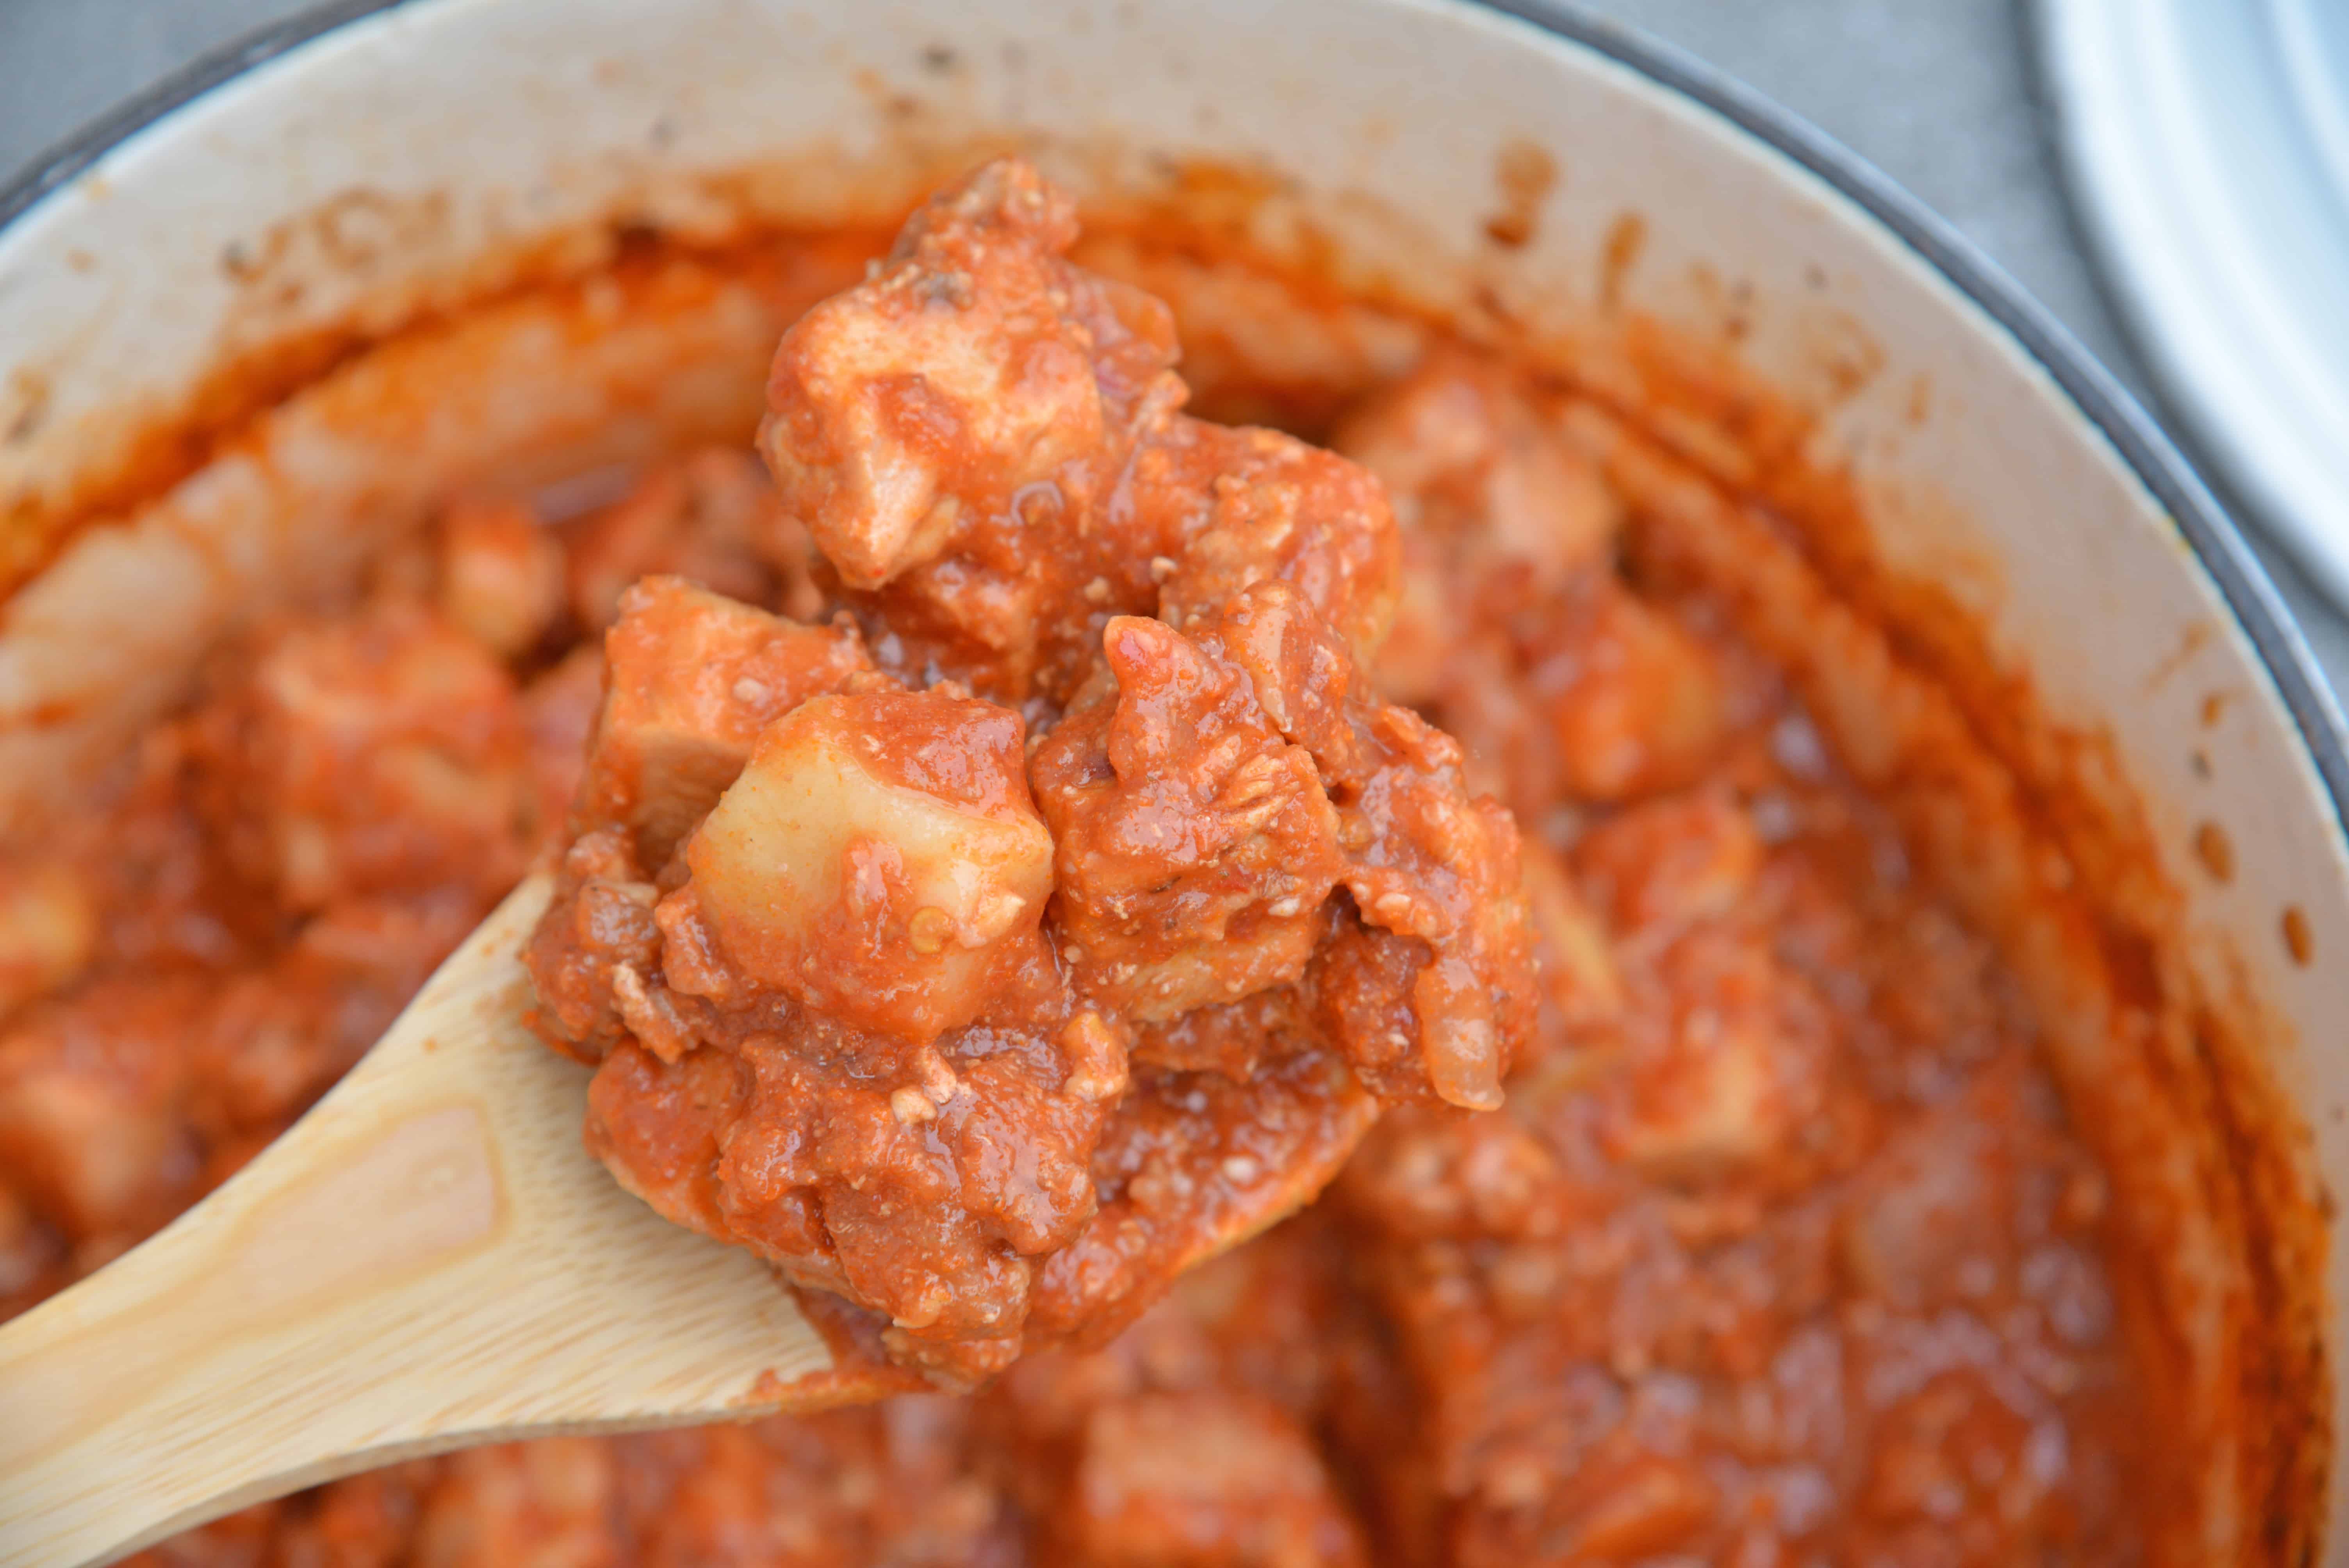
pixel 878 858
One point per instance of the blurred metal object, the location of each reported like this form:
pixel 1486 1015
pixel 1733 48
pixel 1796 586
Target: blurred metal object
pixel 2208 148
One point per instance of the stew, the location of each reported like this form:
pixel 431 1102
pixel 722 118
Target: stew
pixel 1776 1249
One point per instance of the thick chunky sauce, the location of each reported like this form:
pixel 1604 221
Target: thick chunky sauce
pixel 1779 1252
pixel 1079 929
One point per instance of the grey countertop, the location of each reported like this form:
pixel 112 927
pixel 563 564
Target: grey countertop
pixel 1937 92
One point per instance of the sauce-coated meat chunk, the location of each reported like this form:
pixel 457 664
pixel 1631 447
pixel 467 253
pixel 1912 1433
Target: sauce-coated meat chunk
pixel 921 405
pixel 1234 775
pixel 950 432
pixel 366 755
pixel 691 678
pixel 1197 843
pixel 1251 505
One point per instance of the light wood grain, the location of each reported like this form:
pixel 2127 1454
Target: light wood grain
pixel 429 1259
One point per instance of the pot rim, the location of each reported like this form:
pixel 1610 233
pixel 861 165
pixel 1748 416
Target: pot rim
pixel 2155 461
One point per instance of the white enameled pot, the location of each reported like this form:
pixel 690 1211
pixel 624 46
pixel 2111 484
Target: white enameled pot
pixel 334 178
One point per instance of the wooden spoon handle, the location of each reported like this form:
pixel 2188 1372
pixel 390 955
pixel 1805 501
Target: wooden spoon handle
pixel 402 1272
pixel 240 1353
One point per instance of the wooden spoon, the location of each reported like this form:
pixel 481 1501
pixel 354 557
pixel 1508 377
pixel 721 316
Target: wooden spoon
pixel 429 1259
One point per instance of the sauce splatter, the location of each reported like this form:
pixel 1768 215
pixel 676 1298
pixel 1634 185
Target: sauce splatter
pixel 1626 238
pixel 1525 174
pixel 2215 851
pixel 2297 940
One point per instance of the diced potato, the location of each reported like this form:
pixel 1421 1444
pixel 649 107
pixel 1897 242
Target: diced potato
pixel 1928 1207
pixel 48 923
pixel 1546 504
pixel 1707 1112
pixel 692 679
pixel 877 857
pixel 1433 425
pixel 500 575
pixel 1936 1208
